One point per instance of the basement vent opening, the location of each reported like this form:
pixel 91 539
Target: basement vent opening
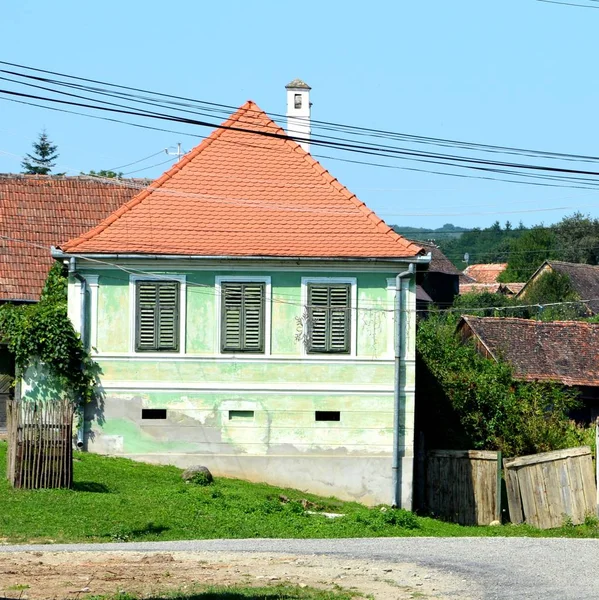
pixel 153 413
pixel 327 415
pixel 235 415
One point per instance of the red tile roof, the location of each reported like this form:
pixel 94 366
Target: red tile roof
pixel 485 273
pixel 241 194
pixel 43 211
pixel 566 351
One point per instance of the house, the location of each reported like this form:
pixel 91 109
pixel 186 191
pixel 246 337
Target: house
pixel 583 278
pixel 35 211
pixel 242 314
pixel 477 279
pixel 440 283
pixel 562 351
pixel 485 273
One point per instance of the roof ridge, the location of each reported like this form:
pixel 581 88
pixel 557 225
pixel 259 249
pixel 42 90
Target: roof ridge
pixel 166 176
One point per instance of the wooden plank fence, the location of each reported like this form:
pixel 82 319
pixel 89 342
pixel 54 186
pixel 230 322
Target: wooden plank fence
pixel 464 486
pixel 545 489
pixel 40 444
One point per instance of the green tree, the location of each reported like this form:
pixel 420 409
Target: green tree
pixel 578 239
pixel 527 253
pixel 551 288
pixel 104 173
pixel 43 160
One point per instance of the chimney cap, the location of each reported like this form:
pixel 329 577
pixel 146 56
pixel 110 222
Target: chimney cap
pixel 298 84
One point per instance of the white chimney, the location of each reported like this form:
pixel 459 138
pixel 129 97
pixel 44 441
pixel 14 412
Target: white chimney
pixel 298 112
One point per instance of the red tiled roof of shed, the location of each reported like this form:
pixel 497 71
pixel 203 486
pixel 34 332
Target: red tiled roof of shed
pixel 242 194
pixel 38 211
pixel 566 351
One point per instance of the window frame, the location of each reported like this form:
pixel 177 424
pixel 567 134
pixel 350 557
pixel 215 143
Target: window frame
pixel 353 291
pixel 157 278
pixel 264 280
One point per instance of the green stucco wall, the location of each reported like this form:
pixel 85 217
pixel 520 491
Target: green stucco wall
pixel 201 389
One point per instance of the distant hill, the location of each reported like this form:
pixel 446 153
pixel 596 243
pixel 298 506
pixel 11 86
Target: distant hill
pixel 447 232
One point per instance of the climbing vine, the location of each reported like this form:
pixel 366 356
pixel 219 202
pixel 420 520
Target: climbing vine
pixel 43 332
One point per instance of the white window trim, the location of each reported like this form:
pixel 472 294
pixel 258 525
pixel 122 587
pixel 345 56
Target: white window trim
pixel 266 280
pixel 182 279
pixel 353 282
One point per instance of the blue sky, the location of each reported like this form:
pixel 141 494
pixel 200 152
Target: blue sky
pixel 506 72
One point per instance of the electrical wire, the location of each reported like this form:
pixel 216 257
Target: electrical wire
pixel 224 108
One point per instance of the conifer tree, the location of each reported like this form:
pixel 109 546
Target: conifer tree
pixel 42 161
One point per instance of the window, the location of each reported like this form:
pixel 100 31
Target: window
pixel 242 316
pixel 157 316
pixel 327 415
pixel 297 101
pixel 153 413
pixel 329 318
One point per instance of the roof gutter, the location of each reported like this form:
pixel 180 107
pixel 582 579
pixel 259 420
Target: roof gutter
pixel 59 254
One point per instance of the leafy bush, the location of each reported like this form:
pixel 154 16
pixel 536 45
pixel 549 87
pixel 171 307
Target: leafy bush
pixel 380 518
pixel 495 411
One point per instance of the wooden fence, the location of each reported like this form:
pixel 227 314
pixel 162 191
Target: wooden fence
pixel 40 444
pixel 464 486
pixel 545 489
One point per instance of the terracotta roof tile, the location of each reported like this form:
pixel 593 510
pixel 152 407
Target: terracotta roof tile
pixel 239 194
pixel 566 351
pixel 43 211
pixel 485 273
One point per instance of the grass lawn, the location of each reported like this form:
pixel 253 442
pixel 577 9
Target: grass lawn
pixel 279 592
pixel 116 499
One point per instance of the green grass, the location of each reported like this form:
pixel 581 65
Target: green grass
pixel 279 592
pixel 116 499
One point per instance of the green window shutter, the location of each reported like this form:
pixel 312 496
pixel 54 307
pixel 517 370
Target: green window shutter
pixel 242 327
pixel 157 326
pixel 329 310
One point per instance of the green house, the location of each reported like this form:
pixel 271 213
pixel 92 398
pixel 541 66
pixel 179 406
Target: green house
pixel 241 310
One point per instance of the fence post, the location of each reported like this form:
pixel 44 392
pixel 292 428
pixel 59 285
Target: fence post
pixel 498 500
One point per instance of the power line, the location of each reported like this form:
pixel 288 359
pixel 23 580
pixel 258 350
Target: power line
pixel 452 161
pixel 225 108
pixel 565 184
pixel 137 161
pixel 568 4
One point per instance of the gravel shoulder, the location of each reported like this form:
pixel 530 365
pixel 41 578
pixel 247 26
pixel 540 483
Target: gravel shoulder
pixel 38 575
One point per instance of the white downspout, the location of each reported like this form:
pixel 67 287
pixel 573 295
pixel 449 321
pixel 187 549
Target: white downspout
pixel 82 333
pixel 399 351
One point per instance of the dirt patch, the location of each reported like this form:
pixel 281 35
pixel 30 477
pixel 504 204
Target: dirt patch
pixel 58 575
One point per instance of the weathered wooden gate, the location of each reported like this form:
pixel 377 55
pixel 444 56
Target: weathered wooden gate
pixel 464 486
pixel 40 443
pixel 546 489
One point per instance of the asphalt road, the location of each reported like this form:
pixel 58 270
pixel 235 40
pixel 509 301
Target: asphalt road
pixel 504 568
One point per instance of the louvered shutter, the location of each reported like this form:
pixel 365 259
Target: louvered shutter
pixel 329 318
pixel 242 328
pixel 157 327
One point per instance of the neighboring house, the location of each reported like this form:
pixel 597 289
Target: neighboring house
pixel 477 279
pixel 562 351
pixel 485 273
pixel 440 283
pixel 243 319
pixel 583 278
pixel 35 211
